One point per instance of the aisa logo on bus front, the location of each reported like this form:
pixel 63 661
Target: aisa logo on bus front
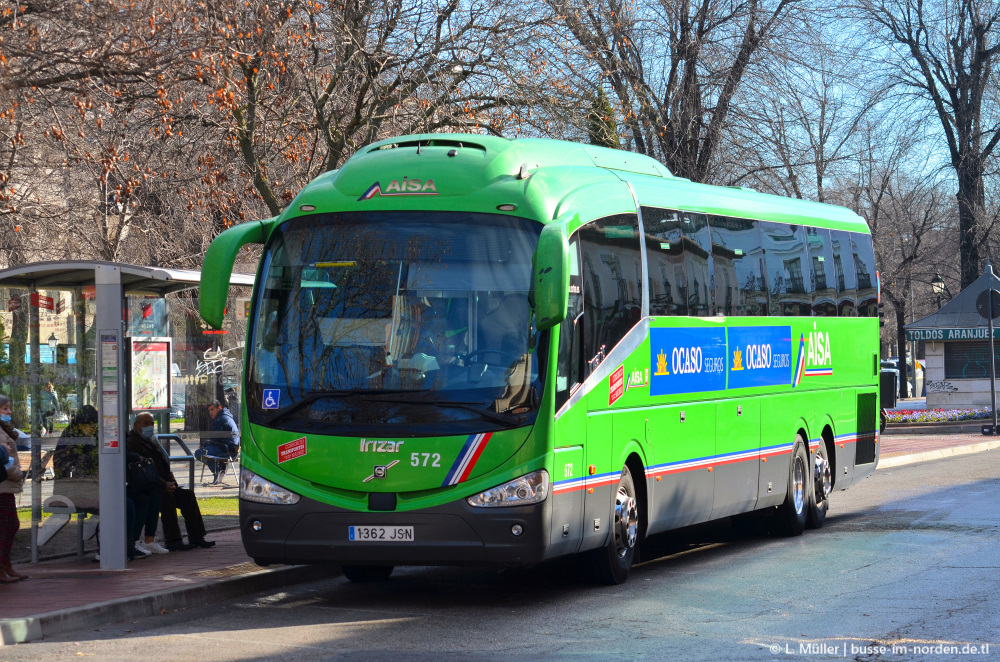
pixel 397 187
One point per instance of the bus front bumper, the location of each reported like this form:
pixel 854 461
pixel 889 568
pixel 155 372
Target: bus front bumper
pixel 452 534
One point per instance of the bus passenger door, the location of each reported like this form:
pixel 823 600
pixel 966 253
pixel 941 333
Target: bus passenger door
pixel 737 465
pixel 601 484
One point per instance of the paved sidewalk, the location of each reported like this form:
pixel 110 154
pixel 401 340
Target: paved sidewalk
pixel 74 593
pixel 70 594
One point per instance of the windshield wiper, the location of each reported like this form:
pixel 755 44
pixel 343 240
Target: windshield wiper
pixel 313 396
pixel 509 420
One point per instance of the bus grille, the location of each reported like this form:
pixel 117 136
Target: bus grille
pixel 864 450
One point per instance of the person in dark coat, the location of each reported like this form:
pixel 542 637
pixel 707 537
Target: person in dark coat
pixel 140 440
pixel 226 444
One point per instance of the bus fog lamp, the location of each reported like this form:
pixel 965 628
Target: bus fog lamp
pixel 255 488
pixel 528 489
pixel 517 529
pixel 256 525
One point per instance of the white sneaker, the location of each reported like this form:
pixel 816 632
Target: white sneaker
pixel 155 548
pixel 141 547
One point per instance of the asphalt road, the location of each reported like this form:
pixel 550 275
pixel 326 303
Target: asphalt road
pixel 908 558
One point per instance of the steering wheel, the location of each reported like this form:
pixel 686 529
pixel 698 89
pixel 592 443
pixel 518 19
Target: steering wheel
pixel 510 357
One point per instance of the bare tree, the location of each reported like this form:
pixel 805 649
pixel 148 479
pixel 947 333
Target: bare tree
pixel 675 68
pixel 947 59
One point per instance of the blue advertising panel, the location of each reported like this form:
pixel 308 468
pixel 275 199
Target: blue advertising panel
pixel 760 356
pixel 687 360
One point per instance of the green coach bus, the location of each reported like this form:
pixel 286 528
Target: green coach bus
pixel 470 350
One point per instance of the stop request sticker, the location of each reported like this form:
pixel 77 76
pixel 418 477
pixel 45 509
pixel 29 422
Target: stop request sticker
pixel 291 450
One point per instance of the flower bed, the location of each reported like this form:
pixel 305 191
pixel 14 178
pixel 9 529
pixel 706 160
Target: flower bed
pixel 935 415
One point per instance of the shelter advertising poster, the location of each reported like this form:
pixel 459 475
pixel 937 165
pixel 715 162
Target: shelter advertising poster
pixel 150 360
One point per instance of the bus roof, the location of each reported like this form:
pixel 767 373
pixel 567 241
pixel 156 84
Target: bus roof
pixel 538 177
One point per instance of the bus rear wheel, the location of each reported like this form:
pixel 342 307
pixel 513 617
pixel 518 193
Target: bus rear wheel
pixel 822 485
pixel 612 563
pixel 364 574
pixel 790 517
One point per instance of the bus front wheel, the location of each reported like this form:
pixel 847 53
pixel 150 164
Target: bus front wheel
pixel 792 514
pixel 611 564
pixel 363 574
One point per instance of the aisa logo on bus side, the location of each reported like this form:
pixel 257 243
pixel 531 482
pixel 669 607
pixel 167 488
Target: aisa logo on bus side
pixel 815 356
pixel 397 187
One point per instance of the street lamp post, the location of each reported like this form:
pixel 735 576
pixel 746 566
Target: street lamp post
pixel 937 285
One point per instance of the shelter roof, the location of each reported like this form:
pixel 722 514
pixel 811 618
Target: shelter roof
pixel 71 274
pixel 960 312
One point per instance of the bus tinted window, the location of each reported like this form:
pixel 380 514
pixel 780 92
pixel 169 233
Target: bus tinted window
pixel 738 260
pixel 784 254
pixel 843 268
pixel 824 294
pixel 612 283
pixel 864 263
pixel 678 249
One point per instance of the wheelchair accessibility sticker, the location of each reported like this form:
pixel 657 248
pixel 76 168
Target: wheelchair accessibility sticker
pixel 272 396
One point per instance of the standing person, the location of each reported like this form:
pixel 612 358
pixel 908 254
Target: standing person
pixel 140 440
pixel 9 523
pixel 217 447
pixel 50 407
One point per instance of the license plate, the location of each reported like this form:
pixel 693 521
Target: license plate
pixel 380 533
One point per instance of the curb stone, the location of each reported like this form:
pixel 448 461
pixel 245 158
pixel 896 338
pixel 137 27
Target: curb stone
pixel 912 458
pixel 31 628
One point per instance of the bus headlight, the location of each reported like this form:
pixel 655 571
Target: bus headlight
pixel 528 489
pixel 255 488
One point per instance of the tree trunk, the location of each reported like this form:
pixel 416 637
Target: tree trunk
pixel 971 206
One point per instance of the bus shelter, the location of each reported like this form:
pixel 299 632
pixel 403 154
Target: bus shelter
pixel 86 344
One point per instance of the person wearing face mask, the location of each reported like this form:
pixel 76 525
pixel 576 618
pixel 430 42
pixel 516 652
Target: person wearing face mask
pixel 9 523
pixel 140 440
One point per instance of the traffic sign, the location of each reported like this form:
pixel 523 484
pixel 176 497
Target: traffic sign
pixel 982 303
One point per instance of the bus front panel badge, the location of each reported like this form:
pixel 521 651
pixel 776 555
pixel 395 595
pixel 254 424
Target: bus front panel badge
pixel 272 396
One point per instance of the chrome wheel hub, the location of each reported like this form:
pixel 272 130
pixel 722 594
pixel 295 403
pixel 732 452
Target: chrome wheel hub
pixel 626 521
pixel 823 478
pixel 799 484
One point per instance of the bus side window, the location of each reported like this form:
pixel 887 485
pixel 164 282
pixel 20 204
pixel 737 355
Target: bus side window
pixel 738 264
pixel 612 286
pixel 784 254
pixel 678 249
pixel 569 372
pixel 843 266
pixel 864 262
pixel 824 295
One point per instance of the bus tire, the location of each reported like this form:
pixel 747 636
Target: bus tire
pixel 612 563
pixel 822 485
pixel 366 574
pixel 791 515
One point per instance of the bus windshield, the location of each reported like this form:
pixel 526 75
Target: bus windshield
pixel 380 322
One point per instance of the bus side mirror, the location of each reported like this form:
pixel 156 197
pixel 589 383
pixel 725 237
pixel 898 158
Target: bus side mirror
pixel 218 267
pixel 550 277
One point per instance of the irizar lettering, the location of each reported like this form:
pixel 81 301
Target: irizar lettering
pixel 381 446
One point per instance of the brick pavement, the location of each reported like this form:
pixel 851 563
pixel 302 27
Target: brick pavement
pixel 906 444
